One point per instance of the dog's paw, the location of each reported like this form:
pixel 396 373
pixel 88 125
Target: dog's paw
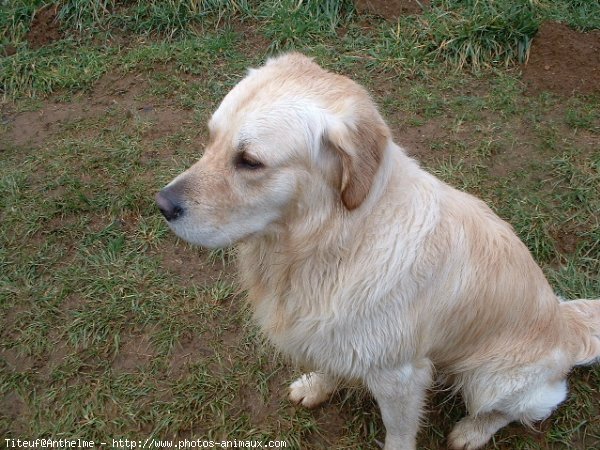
pixel 468 435
pixel 310 390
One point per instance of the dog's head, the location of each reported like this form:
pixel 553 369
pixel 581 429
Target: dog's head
pixel 288 138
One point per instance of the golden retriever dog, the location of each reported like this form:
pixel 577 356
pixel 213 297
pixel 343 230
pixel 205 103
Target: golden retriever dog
pixel 364 267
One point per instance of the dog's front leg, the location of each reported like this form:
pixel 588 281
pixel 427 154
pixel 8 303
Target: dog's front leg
pixel 400 394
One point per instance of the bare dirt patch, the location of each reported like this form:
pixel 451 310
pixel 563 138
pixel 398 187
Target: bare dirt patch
pixel 417 140
pixel 114 92
pixel 14 410
pixel 190 349
pixel 35 127
pixel 192 267
pixel 14 361
pixel 250 401
pixel 45 27
pixel 391 9
pixel 563 61
pixel 136 351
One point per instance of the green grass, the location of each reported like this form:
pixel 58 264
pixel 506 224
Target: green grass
pixel 470 34
pixel 113 328
pixel 579 14
pixel 291 24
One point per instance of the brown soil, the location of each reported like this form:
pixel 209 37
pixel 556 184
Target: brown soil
pixel 111 93
pixel 136 351
pixel 9 50
pixel 563 61
pixel 390 9
pixel 190 349
pixel 192 266
pixel 260 408
pixel 14 409
pixel 45 27
pixel 34 127
pixel 416 141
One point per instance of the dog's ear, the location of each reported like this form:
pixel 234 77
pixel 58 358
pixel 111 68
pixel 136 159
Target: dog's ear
pixel 360 146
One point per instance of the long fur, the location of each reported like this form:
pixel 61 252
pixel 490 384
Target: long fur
pixel 369 268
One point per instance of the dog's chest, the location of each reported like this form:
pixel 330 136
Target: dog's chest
pixel 329 314
pixel 341 342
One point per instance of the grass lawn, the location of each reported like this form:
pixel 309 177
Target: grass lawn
pixel 112 328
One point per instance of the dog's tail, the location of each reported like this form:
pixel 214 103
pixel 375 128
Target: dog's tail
pixel 584 322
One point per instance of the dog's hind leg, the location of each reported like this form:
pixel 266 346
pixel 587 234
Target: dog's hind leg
pixel 524 397
pixel 312 389
pixel 584 321
pixel 473 432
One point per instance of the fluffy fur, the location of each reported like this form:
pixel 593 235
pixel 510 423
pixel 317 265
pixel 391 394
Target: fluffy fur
pixel 363 266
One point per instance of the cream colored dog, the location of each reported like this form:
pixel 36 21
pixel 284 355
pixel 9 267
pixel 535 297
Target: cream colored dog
pixel 360 264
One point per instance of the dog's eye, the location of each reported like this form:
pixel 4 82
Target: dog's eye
pixel 244 161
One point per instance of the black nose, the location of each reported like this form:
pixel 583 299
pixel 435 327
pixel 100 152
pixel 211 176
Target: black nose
pixel 169 205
